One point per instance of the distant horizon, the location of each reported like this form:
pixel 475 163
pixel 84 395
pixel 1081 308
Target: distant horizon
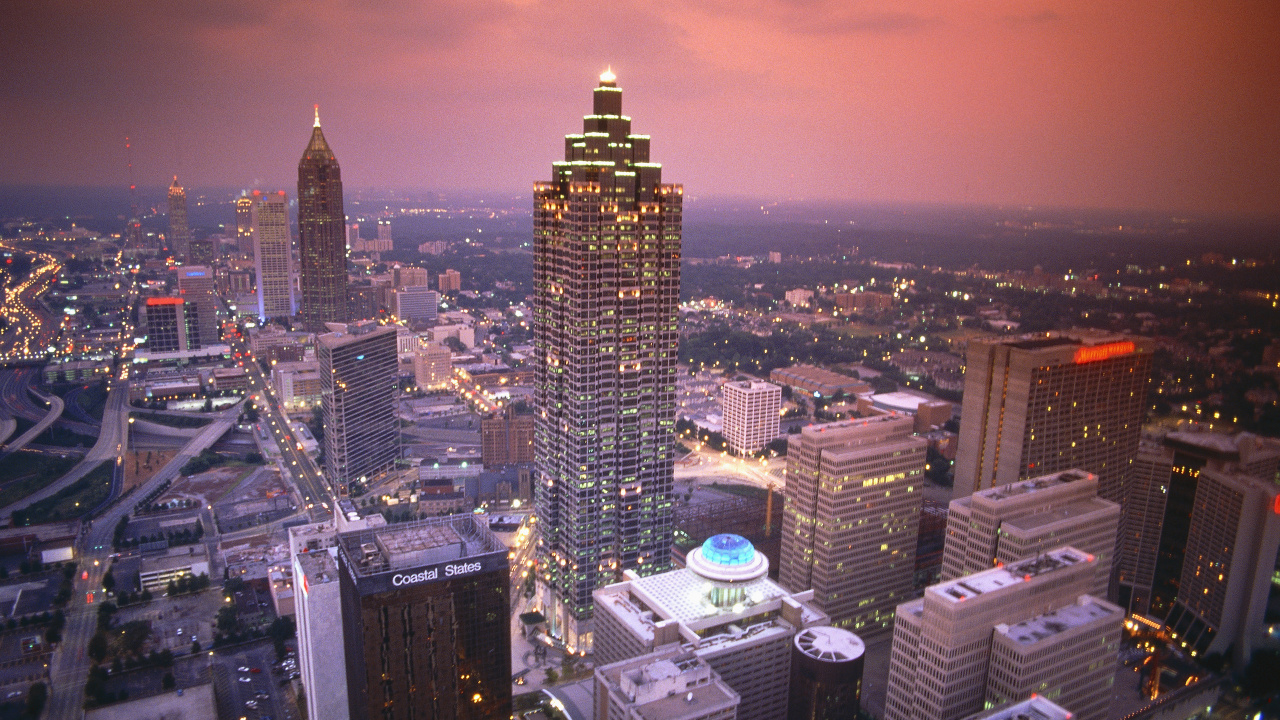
pixel 157 193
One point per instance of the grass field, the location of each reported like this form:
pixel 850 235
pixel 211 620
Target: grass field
pixel 72 502
pixel 27 471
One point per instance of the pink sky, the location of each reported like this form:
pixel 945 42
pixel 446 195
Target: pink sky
pixel 1170 105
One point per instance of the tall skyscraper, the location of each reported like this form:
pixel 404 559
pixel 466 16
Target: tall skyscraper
pixel 322 235
pixel 244 224
pixel 426 620
pixel 357 397
pixel 751 414
pixel 1163 500
pixel 179 232
pixel 168 321
pixel 1001 634
pixel 272 254
pixel 196 286
pixel 606 293
pixel 849 525
pixel 1041 405
pixel 1011 522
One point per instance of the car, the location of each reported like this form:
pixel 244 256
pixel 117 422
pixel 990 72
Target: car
pixel 242 668
pixel 251 704
pixel 256 671
pixel 245 679
pixel 179 631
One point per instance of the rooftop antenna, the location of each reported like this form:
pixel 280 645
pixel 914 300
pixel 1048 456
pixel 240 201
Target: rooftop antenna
pixel 135 223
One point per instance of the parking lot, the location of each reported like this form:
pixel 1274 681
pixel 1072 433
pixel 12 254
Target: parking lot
pixel 176 621
pixel 250 683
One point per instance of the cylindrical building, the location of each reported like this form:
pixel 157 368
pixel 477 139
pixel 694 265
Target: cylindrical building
pixel 826 674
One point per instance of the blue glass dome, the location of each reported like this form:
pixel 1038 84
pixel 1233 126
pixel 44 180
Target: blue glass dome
pixel 728 550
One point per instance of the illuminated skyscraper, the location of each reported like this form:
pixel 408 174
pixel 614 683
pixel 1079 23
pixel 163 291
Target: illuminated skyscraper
pixel 244 224
pixel 179 232
pixel 272 254
pixel 358 401
pixel 607 287
pixel 322 235
pixel 1040 405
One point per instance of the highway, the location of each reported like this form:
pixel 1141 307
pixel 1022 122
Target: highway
pixel 56 407
pixel 29 331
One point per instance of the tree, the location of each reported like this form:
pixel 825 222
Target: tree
pixel 167 682
pixel 98 647
pixel 37 696
pixel 109 581
pixel 228 620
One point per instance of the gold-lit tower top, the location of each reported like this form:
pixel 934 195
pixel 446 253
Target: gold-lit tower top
pixel 317 115
pixel 608 77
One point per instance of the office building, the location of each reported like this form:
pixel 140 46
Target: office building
pixel 179 238
pixel 1014 521
pixel 670 683
pixel 1043 404
pixel 358 378
pixel 297 385
pixel 449 281
pixel 426 620
pixel 1163 499
pixel 272 254
pixel 1033 708
pixel 969 642
pixel 203 250
pixel 432 366
pixel 853 496
pixel 384 232
pixel 244 224
pixel 407 276
pixel 751 414
pixel 1229 566
pixel 606 346
pixel 321 655
pixel 196 285
pixel 723 608
pixel 505 438
pixel 826 674
pixel 168 321
pixel 322 239
pixel 417 306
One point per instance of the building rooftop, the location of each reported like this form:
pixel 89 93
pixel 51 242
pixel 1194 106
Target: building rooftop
pixel 1043 627
pixel 318 568
pixel 434 540
pixel 1034 485
pixel 1036 708
pixel 988 581
pixel 1072 512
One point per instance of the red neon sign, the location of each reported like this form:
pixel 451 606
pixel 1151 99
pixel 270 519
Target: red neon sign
pixel 1095 353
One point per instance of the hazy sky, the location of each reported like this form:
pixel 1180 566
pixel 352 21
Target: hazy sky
pixel 1169 105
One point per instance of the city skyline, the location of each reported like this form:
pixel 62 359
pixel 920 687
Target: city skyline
pixel 1060 104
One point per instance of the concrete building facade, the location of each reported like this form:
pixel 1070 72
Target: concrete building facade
pixel 358 378
pixel 852 511
pixel 670 683
pixel 751 414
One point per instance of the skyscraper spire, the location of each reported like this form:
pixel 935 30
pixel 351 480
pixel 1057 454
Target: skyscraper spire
pixel 322 233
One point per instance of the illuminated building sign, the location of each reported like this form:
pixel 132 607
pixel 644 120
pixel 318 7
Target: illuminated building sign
pixel 1103 352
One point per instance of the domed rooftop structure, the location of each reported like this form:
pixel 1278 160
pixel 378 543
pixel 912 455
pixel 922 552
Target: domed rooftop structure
pixel 728 558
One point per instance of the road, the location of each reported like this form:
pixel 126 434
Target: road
pixel 310 482
pixel 69 667
pixel 29 329
pixel 56 407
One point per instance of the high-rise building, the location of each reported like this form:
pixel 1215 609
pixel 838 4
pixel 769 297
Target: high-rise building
pixel 203 250
pixel 449 281
pixel 168 321
pixel 723 608
pixel 417 306
pixel 671 683
pixel 606 294
pixel 196 285
pixel 426 620
pixel 272 254
pixel 826 674
pixel 853 497
pixel 1043 404
pixel 506 438
pixel 322 238
pixel 432 366
pixel 986 638
pixel 751 414
pixel 321 661
pixel 384 232
pixel 1163 500
pixel 408 276
pixel 1231 559
pixel 358 376
pixel 244 224
pixel 179 232
pixel 1004 524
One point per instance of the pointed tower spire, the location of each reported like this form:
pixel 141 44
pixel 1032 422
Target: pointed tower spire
pixel 317 115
